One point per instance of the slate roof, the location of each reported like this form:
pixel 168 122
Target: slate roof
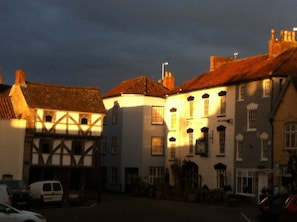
pixel 60 97
pixel 247 69
pixel 139 85
pixel 6 107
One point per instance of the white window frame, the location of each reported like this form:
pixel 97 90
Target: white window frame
pixel 221 178
pixel 290 139
pixel 157 115
pixel 241 92
pixel 206 107
pixel 191 105
pixel 266 87
pixel 239 147
pixel 157 145
pixel 223 102
pixel 156 175
pixel 245 182
pixel 172 150
pixel 252 117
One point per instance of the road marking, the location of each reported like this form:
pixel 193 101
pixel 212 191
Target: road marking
pixel 245 217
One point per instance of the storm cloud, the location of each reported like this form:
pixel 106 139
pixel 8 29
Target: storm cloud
pixel 103 42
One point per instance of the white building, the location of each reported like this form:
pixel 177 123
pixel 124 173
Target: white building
pixel 134 132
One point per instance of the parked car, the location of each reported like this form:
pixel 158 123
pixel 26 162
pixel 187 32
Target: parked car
pixel 4 194
pixel 289 213
pixel 9 213
pixel 47 192
pixel 19 193
pixel 270 208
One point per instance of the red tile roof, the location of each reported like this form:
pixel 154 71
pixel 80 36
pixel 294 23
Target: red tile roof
pixel 6 108
pixel 58 97
pixel 247 69
pixel 139 85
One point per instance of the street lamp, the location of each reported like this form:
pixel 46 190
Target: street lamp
pixel 163 68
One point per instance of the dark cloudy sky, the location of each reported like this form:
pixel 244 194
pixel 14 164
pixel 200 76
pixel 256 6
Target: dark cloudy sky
pixel 103 42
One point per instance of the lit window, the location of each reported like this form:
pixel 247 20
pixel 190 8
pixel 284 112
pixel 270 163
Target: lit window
pixel 291 136
pixel 157 114
pixel 266 88
pixel 222 95
pixel 157 145
pixel 205 98
pixel 173 119
pixel 191 105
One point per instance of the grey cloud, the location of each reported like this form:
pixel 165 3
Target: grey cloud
pixel 102 42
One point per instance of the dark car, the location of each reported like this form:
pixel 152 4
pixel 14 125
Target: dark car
pixel 289 213
pixel 270 208
pixel 19 193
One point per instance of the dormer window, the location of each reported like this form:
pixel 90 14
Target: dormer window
pixel 48 116
pixel 84 119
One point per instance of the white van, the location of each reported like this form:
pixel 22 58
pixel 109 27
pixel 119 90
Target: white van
pixel 4 194
pixel 47 192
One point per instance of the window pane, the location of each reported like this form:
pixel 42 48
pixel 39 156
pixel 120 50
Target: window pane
pixel 291 136
pixel 157 114
pixel 157 145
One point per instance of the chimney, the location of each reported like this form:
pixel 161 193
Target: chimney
pixel 286 41
pixel 168 80
pixel 20 77
pixel 217 61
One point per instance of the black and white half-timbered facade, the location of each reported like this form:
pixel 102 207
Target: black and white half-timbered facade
pixel 63 130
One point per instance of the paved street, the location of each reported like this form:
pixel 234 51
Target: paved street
pixel 124 207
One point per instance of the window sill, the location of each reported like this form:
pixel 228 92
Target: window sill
pixel 220 155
